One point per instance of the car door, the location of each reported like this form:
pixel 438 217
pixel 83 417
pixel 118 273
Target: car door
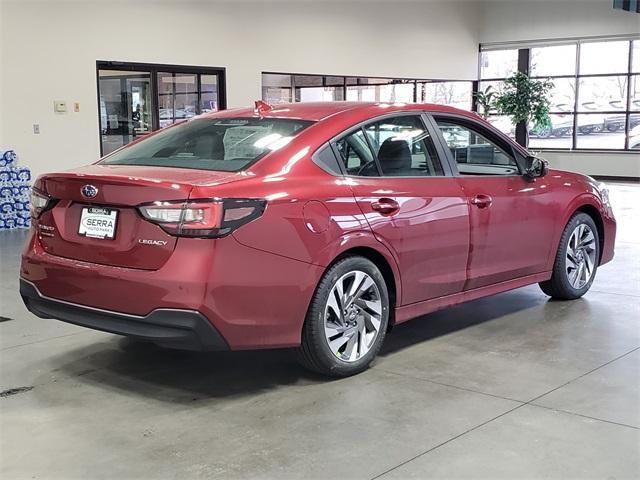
pixel 512 218
pixel 411 201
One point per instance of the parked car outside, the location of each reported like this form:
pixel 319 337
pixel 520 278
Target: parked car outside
pixel 316 226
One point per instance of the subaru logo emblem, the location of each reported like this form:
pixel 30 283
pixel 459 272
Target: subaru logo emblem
pixel 89 191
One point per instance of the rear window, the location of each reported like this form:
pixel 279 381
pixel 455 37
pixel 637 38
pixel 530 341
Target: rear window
pixel 227 145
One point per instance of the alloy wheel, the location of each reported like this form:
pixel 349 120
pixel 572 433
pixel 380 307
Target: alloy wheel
pixel 581 256
pixel 352 316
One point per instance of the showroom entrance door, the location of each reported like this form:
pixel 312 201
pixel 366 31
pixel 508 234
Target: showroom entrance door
pixel 125 107
pixel 135 99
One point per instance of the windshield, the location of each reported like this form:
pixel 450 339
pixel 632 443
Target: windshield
pixel 227 145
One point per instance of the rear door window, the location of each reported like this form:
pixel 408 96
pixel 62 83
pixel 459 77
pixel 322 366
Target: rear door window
pixel 404 147
pixel 398 146
pixel 356 155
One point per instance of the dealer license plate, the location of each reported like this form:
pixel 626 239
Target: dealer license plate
pixel 96 222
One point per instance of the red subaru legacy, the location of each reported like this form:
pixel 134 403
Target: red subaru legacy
pixel 317 226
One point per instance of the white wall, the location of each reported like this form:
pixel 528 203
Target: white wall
pixel 49 51
pixel 616 164
pixel 522 20
pixel 513 20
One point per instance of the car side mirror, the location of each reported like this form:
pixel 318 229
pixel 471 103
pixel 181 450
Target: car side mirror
pixel 536 167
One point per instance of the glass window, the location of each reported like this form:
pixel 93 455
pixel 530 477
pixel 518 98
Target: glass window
pixel 211 144
pixel 634 132
pixel 178 97
pixel 276 88
pixel 125 107
pixel 404 147
pixel 604 57
pixel 635 93
pixel 602 93
pixel 592 134
pixel 553 61
pixel 498 63
pixel 454 94
pixel 607 92
pixel 503 123
pixel 563 95
pixel 129 107
pixel 474 153
pixel 356 156
pixel 557 135
pixel 208 93
pixel 381 90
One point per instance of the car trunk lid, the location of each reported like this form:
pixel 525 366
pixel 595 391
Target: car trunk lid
pixel 107 228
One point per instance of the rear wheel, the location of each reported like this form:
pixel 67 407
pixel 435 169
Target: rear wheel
pixel 576 260
pixel 347 319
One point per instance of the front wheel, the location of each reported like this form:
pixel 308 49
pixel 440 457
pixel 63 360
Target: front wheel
pixel 347 319
pixel 576 260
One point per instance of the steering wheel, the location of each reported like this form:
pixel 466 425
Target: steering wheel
pixel 366 165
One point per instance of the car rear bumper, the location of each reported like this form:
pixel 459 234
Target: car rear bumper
pixel 254 299
pixel 174 328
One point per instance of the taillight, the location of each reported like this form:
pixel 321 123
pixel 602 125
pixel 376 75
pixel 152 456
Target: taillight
pixel 39 202
pixel 203 218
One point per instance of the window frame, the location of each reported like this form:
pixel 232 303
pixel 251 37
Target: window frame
pixel 442 158
pixel 154 69
pixel 524 53
pixel 355 81
pixel 492 134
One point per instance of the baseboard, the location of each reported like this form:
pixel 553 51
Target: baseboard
pixel 614 178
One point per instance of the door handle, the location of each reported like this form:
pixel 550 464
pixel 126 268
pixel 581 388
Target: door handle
pixel 481 201
pixel 385 206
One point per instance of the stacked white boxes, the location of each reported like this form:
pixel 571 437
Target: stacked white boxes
pixel 15 186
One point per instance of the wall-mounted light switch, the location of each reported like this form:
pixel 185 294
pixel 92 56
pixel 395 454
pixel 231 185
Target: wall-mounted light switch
pixel 36 128
pixel 76 107
pixel 59 106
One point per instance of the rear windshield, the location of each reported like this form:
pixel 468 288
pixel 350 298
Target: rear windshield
pixel 227 145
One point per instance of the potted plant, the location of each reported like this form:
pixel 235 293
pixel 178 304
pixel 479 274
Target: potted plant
pixel 526 102
pixel 486 101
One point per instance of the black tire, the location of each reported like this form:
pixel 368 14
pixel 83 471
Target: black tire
pixel 559 286
pixel 314 352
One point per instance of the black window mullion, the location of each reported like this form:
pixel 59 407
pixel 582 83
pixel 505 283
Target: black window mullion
pixel 155 104
pixel 574 135
pixel 199 92
pixel 524 56
pixel 627 128
pixel 475 88
pixel 374 154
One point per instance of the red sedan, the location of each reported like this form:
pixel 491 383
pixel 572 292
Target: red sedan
pixel 314 225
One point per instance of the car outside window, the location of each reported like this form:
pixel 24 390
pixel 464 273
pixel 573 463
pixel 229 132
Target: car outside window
pixel 474 153
pixel 402 147
pixel 221 144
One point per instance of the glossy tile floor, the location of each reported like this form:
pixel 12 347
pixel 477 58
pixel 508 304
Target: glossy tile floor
pixel 513 386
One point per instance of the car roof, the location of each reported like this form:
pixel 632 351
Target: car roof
pixel 317 111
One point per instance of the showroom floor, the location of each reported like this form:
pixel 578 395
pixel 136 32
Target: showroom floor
pixel 505 387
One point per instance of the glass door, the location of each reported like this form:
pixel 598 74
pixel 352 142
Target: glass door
pixel 125 107
pixel 135 99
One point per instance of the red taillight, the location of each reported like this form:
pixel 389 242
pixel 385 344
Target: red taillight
pixel 39 202
pixel 203 218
